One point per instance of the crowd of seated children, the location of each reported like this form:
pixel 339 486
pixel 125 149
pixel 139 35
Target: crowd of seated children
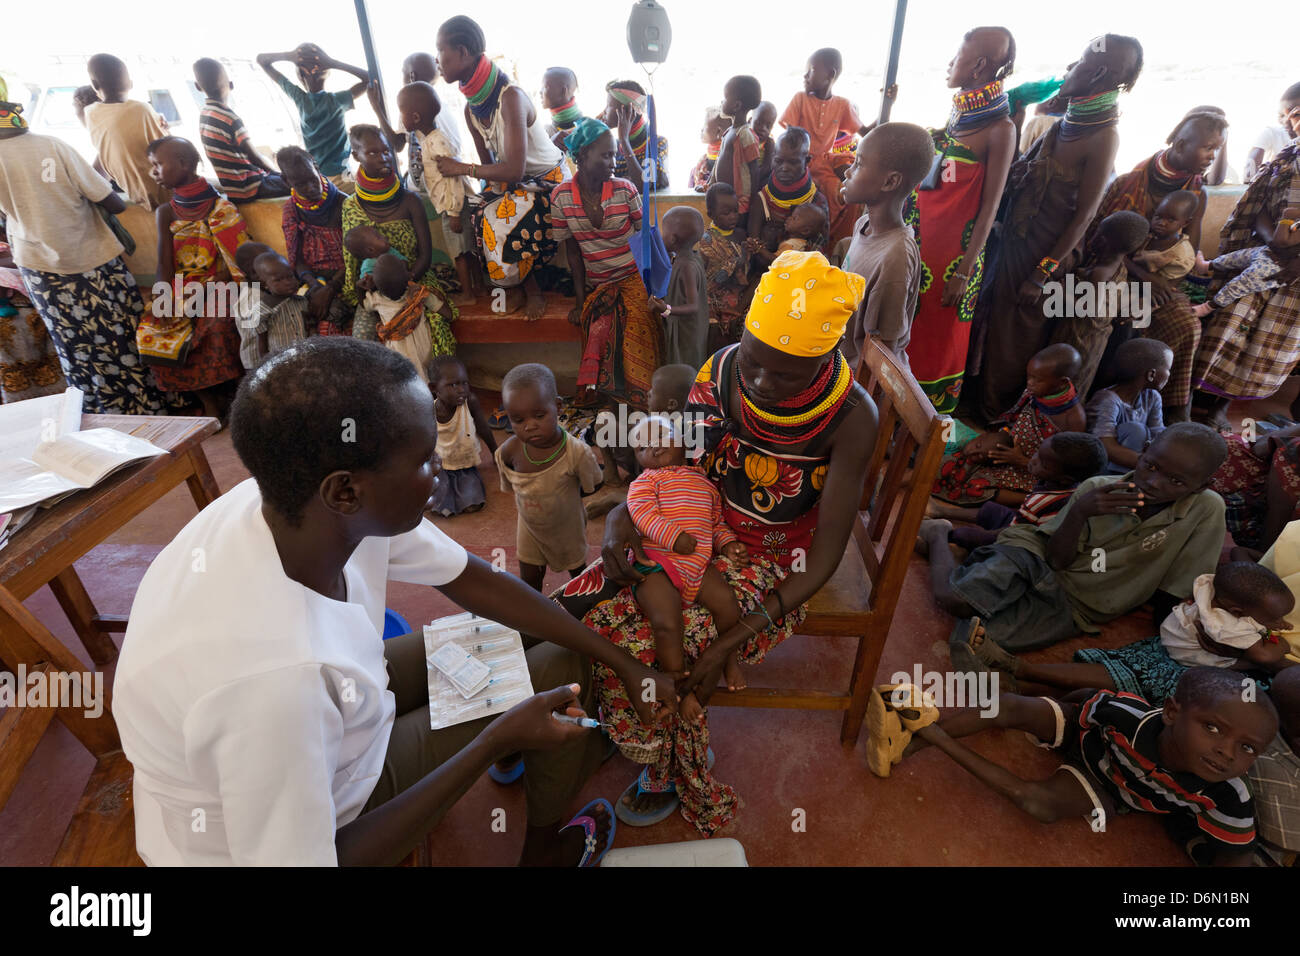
pixel 684 309
pixel 461 426
pixel 1101 276
pixel 549 471
pixel 994 466
pixel 244 175
pixel 678 511
pixel 1184 760
pixel 1128 415
pixel 321 114
pixel 1040 584
pixel 891 160
pixel 1230 621
pixel 1061 462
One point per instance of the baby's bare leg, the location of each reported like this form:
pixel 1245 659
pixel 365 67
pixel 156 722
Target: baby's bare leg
pixel 662 607
pixel 716 595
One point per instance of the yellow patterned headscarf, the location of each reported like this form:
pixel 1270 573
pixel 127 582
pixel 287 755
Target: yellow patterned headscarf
pixel 803 303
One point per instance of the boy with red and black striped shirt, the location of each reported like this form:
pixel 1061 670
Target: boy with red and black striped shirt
pixel 1186 760
pixel 244 175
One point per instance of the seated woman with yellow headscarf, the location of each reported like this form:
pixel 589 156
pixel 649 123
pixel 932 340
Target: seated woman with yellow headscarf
pixel 785 434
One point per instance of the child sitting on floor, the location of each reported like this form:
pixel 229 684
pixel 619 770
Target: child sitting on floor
pixel 684 309
pixel 892 159
pixel 418 106
pixel 1261 267
pixel 1117 544
pixel 279 315
pixel 1061 462
pixel 241 170
pixel 679 513
pixel 549 471
pixel 1128 415
pixel 726 267
pixel 1094 331
pixel 715 127
pixel 460 426
pixel 995 466
pixel 740 155
pixel 1228 622
pixel 1168 252
pixel 1184 761
pixel 805 229
pixel 402 312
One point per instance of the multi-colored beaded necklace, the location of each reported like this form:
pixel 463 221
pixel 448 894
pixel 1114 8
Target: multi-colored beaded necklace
pixel 1168 177
pixel 567 116
pixel 975 109
pixel 194 200
pixel 483 89
pixel 801 417
pixel 797 193
pixel 1086 114
pixel 380 194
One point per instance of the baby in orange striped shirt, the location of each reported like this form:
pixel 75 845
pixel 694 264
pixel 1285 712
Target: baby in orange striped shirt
pixel 679 513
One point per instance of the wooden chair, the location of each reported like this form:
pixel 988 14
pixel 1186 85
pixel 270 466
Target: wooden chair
pixel 102 831
pixel 860 597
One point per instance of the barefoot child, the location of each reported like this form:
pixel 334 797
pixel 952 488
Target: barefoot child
pixel 1062 462
pixel 324 128
pixel 241 170
pixel 684 309
pixel 805 229
pixel 740 155
pixel 1094 333
pixel 460 426
pixel 1117 544
pixel 891 160
pixel 1128 415
pixel 1184 761
pixel 726 266
pixel 199 232
pixel 549 471
pixel 679 512
pixel 418 106
pixel 994 466
pixel 406 314
pixel 1228 622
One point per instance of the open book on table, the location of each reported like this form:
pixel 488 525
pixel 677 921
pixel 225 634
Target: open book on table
pixel 70 462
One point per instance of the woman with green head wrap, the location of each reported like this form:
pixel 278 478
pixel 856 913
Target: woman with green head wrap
pixel 597 216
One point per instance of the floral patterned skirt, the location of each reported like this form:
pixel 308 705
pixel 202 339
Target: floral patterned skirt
pixel 676 752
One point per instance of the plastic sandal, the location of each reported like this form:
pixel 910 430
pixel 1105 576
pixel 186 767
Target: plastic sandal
pixel 634 819
pixel 915 708
pixel 588 823
pixel 500 421
pixel 507 777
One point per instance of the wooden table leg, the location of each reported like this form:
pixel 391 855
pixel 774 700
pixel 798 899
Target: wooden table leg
pixel 76 603
pixel 203 485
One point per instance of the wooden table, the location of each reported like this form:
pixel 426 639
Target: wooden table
pixel 43 551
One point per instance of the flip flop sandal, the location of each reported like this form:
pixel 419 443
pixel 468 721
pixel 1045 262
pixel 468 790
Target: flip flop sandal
pixel 588 823
pixel 990 652
pixel 918 708
pixel 886 735
pixel 507 777
pixel 500 421
pixel 641 787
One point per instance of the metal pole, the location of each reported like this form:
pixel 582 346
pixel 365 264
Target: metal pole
pixel 891 68
pixel 368 43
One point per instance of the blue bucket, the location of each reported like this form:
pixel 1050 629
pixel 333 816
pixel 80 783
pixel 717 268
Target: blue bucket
pixel 394 624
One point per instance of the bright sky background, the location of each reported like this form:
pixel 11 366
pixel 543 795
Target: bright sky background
pixel 1195 54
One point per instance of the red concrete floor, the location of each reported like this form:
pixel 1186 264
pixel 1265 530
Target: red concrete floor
pixel 929 812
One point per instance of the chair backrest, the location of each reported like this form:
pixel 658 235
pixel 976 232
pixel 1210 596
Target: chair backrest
pixel 903 466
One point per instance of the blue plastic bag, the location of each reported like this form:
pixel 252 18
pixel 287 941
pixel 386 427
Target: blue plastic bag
pixel 648 246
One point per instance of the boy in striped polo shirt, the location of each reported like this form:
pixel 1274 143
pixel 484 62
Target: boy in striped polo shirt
pixel 1186 760
pixel 244 175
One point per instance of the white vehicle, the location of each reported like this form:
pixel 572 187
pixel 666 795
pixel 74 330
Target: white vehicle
pixel 45 91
